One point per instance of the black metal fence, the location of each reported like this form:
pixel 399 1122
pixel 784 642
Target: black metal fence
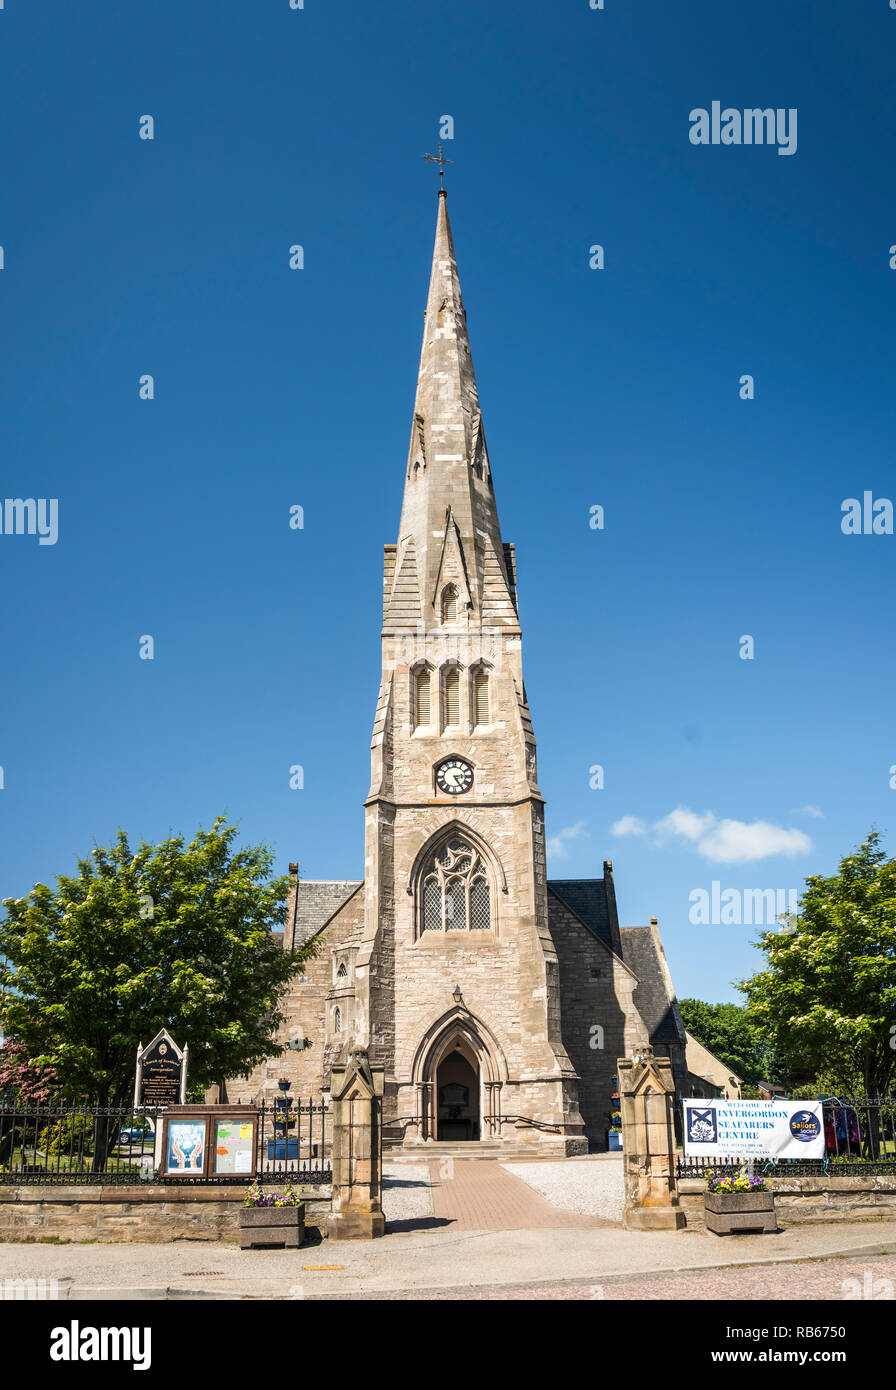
pixel 860 1139
pixel 58 1144
pixel 295 1142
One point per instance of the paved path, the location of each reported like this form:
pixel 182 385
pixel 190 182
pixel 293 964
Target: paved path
pixel 446 1263
pixel 480 1195
pixel 591 1188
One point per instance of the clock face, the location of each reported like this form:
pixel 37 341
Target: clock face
pixel 454 776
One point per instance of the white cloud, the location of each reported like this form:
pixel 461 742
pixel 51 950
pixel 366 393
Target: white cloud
pixel 723 841
pixel 736 842
pixel 814 811
pixel 629 825
pixel 556 847
pixel 683 822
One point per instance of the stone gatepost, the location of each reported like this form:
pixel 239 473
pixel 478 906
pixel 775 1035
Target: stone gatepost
pixel 356 1090
pixel 646 1100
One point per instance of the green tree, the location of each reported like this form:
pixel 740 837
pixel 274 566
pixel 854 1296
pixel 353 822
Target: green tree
pixel 827 997
pixel 173 935
pixel 729 1034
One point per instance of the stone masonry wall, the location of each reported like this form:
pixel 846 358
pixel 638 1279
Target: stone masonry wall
pixel 800 1201
pixel 592 1001
pixel 119 1214
pixel 501 973
pixel 308 1005
pixel 507 976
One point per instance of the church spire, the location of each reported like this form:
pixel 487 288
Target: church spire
pixel 449 532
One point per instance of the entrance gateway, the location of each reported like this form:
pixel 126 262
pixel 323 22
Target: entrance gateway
pixel 478 985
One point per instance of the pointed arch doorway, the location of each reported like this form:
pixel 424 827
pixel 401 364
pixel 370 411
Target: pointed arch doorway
pixel 458 1086
pixel 458 1050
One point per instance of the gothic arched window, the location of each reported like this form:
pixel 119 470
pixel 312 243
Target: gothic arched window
pixel 455 893
pixel 480 906
pixel 337 1020
pixel 449 603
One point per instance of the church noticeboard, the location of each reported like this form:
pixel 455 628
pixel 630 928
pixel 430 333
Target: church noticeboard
pixel 161 1073
pixel 199 1142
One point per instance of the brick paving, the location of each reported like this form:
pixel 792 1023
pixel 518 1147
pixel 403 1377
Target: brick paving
pixel 480 1195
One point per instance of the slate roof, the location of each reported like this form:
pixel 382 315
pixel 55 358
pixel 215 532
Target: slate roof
pixel 654 996
pixel 319 900
pixel 587 898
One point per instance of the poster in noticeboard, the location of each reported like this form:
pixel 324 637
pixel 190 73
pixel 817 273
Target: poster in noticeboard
pixel 234 1145
pixel 185 1146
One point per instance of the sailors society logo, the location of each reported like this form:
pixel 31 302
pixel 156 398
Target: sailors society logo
pixel 805 1126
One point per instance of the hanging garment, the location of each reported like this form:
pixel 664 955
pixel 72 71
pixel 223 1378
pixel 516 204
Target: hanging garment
pixel 830 1131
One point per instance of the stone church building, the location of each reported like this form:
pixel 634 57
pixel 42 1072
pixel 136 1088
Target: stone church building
pixel 497 999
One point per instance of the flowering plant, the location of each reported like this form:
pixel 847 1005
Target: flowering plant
pixel 257 1197
pixel 22 1078
pixel 738 1183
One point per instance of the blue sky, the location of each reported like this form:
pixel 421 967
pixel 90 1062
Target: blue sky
pixel 617 387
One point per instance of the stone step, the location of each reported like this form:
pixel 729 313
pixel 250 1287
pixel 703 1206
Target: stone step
pixel 472 1149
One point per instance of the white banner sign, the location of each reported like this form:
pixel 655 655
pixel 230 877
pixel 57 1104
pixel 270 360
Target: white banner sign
pixel 753 1129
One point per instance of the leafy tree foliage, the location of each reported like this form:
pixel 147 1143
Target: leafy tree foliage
pixel 171 935
pixel 729 1034
pixel 827 998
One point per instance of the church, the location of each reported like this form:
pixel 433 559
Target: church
pixel 498 1000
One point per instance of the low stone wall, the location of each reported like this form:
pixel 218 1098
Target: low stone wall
pixel 149 1215
pixel 801 1200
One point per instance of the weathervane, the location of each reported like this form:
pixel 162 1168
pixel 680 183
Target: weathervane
pixel 441 161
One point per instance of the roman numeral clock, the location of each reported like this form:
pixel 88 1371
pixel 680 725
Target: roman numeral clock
pixel 454 776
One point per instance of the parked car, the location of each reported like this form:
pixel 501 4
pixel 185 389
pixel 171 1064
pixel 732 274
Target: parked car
pixel 134 1136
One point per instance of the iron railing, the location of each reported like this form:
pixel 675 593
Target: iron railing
pixel 295 1142
pixel 53 1143
pixel 860 1140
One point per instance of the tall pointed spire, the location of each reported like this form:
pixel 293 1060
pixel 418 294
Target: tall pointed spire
pixel 449 520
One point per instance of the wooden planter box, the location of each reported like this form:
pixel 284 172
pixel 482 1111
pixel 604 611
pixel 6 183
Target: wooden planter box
pixel 272 1226
pixel 728 1212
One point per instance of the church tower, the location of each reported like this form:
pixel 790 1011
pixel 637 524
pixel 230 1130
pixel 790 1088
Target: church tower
pixel 497 1001
pixel 456 978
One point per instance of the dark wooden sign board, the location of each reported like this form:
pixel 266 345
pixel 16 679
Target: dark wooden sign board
pixel 161 1073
